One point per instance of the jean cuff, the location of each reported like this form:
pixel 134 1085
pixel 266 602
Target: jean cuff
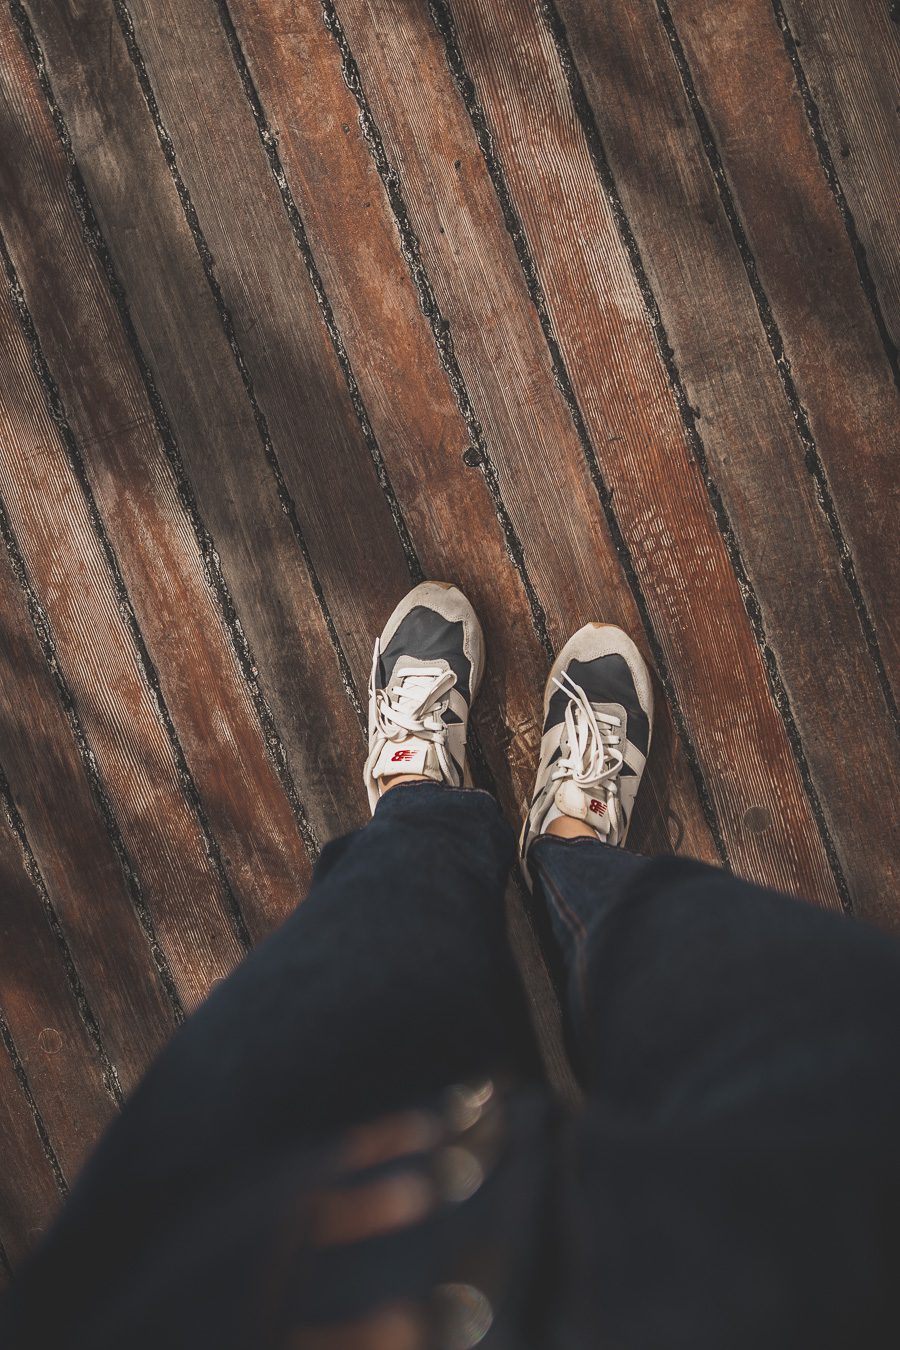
pixel 425 800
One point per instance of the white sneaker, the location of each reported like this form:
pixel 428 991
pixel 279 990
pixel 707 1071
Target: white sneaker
pixel 598 717
pixel 426 671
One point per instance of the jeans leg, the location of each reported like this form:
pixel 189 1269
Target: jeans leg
pixel 391 980
pixel 577 880
pixel 736 1177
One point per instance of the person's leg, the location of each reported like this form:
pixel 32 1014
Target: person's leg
pixel 392 980
pixel 735 1180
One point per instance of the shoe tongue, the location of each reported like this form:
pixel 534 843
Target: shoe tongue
pixel 407 756
pixel 571 800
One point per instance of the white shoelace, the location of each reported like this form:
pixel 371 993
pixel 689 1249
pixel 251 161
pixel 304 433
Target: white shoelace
pixel 593 760
pixel 415 706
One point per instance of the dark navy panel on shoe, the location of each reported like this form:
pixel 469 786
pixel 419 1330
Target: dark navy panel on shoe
pixel 428 636
pixel 607 679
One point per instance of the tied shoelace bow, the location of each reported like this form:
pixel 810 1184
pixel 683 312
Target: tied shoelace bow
pixel 415 706
pixel 593 759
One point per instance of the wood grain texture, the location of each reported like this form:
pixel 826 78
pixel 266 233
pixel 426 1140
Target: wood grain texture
pixel 622 386
pixel 806 265
pixel 101 667
pixel 188 355
pixel 297 380
pixel 67 834
pixel 29 1195
pixel 850 54
pixel 502 351
pixel 58 1055
pixel 456 522
pixel 166 578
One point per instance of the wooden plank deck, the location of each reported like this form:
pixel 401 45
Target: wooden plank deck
pixel 593 309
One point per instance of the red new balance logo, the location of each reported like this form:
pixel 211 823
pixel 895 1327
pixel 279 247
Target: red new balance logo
pixel 598 808
pixel 401 755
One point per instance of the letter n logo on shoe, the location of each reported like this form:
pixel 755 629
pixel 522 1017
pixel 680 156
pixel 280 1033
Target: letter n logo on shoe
pixel 598 808
pixel 402 756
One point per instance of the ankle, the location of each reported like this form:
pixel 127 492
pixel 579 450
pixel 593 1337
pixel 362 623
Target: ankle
pixel 395 779
pixel 567 827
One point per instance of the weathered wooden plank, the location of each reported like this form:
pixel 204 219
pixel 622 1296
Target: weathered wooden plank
pixel 619 378
pixel 447 503
pixel 189 358
pixel 506 364
pixel 249 822
pixel 29 1195
pixel 297 380
pixel 806 266
pixel 850 55
pixel 101 666
pixel 67 834
pixel 58 1055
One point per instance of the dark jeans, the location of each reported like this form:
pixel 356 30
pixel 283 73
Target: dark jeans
pixel 733 1179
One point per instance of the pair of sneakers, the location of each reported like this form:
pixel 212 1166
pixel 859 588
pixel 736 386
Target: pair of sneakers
pixel 598 713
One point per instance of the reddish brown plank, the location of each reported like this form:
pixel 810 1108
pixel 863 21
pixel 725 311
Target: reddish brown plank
pixel 297 379
pixel 506 363
pixel 58 1055
pixel 807 268
pixel 29 1195
pixel 849 51
pixel 409 400
pixel 101 666
pixel 139 499
pixel 68 836
pixel 187 351
pixel 618 376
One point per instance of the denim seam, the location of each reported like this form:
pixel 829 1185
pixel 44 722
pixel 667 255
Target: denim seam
pixel 577 928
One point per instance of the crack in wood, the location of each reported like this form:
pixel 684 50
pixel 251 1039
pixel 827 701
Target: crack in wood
pixel 25 1086
pixel 42 629
pixel 86 1012
pixel 56 410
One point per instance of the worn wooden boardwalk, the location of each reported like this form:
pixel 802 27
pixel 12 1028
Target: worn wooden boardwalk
pixel 591 308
